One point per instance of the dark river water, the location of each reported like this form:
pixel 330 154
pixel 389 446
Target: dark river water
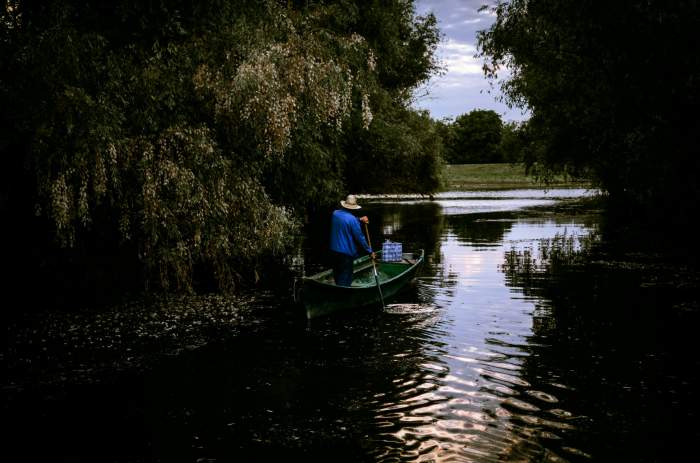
pixel 531 334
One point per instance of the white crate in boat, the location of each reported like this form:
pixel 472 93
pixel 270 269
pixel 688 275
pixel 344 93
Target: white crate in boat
pixel 391 251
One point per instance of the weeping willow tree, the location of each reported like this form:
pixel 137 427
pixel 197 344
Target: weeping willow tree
pixel 186 132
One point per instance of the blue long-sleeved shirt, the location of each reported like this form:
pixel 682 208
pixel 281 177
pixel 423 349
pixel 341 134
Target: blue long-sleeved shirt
pixel 345 232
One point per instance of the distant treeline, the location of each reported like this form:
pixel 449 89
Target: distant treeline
pixel 185 138
pixel 481 137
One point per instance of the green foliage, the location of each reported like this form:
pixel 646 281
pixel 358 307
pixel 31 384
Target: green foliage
pixel 480 136
pixel 477 137
pixel 405 43
pixel 194 131
pixel 394 148
pixel 612 90
pixel 512 142
pixel 399 153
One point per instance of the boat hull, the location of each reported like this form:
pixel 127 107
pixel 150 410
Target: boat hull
pixel 320 296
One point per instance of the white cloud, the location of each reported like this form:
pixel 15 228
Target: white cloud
pixel 463 87
pixel 458 58
pixel 488 12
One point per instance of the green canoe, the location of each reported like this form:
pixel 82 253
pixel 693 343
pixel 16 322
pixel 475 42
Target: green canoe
pixel 320 295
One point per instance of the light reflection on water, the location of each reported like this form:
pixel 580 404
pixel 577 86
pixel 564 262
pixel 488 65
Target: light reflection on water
pixel 502 350
pixel 480 407
pixel 553 193
pixel 467 398
pixel 471 202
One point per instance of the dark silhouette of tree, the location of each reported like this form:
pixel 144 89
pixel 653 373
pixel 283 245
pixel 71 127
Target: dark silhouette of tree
pixel 613 93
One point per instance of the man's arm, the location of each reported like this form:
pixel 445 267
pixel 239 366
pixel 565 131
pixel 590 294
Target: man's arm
pixel 359 236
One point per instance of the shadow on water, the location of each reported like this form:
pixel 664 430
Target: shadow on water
pixel 322 391
pixel 528 336
pixel 613 329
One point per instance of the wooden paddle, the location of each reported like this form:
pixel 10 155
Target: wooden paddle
pixel 374 266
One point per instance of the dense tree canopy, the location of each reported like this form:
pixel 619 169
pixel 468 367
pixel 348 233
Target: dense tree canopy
pixel 475 138
pixel 481 136
pixel 613 91
pixel 192 133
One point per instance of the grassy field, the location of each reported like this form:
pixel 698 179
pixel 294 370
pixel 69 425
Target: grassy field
pixel 495 176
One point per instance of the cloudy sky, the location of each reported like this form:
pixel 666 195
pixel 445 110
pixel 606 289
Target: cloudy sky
pixel 463 86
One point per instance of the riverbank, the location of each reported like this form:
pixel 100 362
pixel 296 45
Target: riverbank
pixel 52 348
pixel 465 177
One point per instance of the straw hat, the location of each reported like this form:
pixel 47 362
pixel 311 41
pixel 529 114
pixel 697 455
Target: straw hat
pixel 350 203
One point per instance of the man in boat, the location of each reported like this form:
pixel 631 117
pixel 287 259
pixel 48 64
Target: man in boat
pixel 346 235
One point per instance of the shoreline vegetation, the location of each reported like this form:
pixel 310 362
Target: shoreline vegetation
pixel 183 145
pixel 500 176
